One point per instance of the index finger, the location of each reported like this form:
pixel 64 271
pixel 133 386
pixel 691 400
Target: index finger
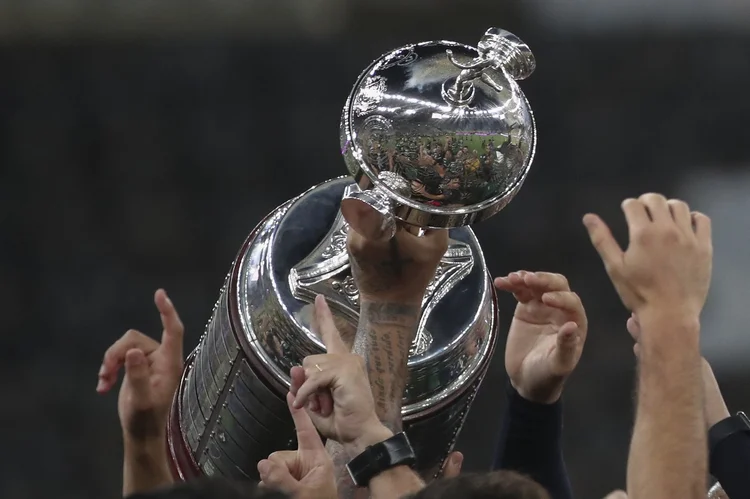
pixel 543 282
pixel 307 435
pixel 174 331
pixel 325 327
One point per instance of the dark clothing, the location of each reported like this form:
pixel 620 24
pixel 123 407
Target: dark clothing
pixel 730 465
pixel 530 443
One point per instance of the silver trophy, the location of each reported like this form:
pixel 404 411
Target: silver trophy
pixel 434 135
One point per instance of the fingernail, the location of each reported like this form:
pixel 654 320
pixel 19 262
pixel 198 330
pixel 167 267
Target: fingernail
pixel 457 459
pixel 263 467
pixel 589 220
pixel 100 385
pixel 102 370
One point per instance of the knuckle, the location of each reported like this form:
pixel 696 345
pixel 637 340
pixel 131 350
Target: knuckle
pixel 628 202
pixel 651 196
pixel 132 334
pixel 643 235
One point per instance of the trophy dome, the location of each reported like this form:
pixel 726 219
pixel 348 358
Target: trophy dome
pixel 449 122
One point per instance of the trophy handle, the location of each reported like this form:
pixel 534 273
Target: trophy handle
pixel 370 213
pixel 499 51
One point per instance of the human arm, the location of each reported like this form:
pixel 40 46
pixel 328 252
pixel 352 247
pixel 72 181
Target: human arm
pixel 391 277
pixel 352 422
pixel 152 373
pixel 663 277
pixel 545 343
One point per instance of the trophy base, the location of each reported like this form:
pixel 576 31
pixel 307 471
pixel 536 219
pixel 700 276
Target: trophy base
pixel 230 409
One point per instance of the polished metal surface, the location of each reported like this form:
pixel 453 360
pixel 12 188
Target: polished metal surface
pixel 435 135
pixel 231 410
pixel 447 120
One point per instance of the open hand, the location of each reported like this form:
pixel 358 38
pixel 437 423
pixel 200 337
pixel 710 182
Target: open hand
pixel 546 337
pixel 667 265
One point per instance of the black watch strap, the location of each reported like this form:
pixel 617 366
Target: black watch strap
pixel 396 451
pixel 734 424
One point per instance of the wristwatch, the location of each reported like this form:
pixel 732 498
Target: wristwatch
pixel 396 451
pixel 738 423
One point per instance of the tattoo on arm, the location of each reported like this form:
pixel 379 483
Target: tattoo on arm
pixel 384 336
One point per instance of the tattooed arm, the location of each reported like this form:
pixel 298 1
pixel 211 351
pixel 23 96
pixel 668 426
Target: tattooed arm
pixel 391 277
pixel 384 337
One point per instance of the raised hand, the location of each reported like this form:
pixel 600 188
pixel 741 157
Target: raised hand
pixel 546 337
pixel 341 375
pixel 152 374
pixel 667 265
pixel 306 473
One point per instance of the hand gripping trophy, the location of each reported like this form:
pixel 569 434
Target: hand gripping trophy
pixel 436 135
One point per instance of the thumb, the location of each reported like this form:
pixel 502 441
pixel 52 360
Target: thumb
pixel 307 436
pixel 453 465
pixel 323 325
pixel 277 476
pixel 601 237
pixel 617 494
pixel 137 376
pixel 567 344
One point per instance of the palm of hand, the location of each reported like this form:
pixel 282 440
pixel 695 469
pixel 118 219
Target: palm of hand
pixel 532 338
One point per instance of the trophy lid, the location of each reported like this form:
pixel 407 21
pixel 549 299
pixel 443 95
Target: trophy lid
pixel 448 120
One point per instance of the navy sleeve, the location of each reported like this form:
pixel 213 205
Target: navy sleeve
pixel 730 465
pixel 530 443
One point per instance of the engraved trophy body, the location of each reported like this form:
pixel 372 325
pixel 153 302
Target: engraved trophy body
pixel 435 135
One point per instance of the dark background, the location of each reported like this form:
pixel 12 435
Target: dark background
pixel 138 149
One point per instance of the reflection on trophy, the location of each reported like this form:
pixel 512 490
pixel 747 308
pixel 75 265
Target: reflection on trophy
pixel 436 135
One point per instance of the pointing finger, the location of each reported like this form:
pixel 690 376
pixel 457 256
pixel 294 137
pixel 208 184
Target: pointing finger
pixel 307 436
pixel 174 331
pixel 326 327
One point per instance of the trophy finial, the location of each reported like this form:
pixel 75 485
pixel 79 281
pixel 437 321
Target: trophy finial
pixel 498 50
